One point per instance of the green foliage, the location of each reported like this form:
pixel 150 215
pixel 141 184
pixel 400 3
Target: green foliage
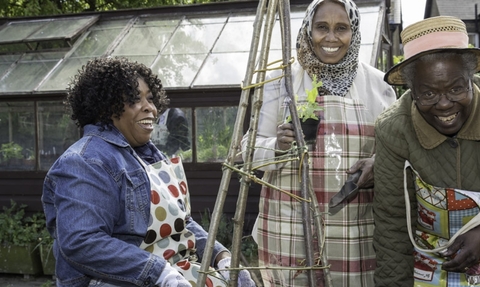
pixel 306 110
pixel 21 8
pixel 11 150
pixel 224 236
pixel 18 229
pixel 215 128
pixel 44 238
pixel 399 89
pixel 48 283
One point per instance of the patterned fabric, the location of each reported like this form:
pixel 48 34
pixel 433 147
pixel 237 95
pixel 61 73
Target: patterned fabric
pixel 167 236
pixel 343 138
pixel 441 213
pixel 336 78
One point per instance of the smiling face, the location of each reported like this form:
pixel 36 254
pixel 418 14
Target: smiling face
pixel 136 122
pixel 440 76
pixel 331 32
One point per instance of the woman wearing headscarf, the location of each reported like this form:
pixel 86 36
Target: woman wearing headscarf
pixel 352 95
pixel 427 183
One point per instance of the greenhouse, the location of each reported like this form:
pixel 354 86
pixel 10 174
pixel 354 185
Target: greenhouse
pixel 200 53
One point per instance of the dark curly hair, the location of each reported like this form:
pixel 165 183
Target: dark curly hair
pixel 102 87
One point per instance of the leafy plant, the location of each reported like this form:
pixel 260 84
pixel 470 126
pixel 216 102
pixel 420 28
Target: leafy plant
pixel 403 88
pixel 18 229
pixel 307 109
pixel 45 239
pixel 11 150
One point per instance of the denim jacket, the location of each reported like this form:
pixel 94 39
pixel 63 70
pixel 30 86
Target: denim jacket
pixel 96 198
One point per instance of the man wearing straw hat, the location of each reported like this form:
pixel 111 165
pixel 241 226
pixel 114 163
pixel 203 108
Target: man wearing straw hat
pixel 427 167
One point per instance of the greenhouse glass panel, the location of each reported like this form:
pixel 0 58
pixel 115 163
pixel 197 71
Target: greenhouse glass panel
pixel 155 22
pixel 62 76
pixel 112 23
pixel 17 136
pixel 223 69
pixel 31 70
pixel 193 39
pixel 146 60
pixel 235 37
pixel 201 20
pixel 214 126
pixel 56 132
pixel 6 61
pixel 96 43
pixel 276 42
pixel 17 31
pixel 178 70
pixel 144 41
pixel 62 28
pixel 241 18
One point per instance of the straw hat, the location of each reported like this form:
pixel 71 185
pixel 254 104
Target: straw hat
pixel 431 35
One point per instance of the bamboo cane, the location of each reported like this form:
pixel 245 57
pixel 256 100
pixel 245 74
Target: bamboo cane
pixel 283 7
pixel 257 99
pixel 234 146
pixel 307 191
pixel 284 10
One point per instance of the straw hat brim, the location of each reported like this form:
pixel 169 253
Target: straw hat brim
pixel 394 77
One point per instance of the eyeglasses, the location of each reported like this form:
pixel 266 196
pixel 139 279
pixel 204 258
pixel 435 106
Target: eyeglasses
pixel 455 94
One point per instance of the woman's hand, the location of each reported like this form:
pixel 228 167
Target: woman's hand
pixel 366 166
pixel 244 278
pixel 285 136
pixel 465 252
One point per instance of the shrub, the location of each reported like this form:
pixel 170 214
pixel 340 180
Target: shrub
pixel 18 229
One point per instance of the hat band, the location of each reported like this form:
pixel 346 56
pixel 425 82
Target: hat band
pixel 435 40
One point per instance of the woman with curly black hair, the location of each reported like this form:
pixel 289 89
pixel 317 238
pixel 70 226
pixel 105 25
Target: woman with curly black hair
pixel 116 206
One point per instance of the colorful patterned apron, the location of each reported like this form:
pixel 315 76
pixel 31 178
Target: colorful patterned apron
pixel 167 236
pixel 443 214
pixel 344 136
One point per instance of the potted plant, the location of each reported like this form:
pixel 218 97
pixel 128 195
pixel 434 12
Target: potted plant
pixel 307 111
pixel 45 244
pixel 18 237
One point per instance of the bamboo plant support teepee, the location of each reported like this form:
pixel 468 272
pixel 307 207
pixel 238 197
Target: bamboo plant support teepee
pixel 310 208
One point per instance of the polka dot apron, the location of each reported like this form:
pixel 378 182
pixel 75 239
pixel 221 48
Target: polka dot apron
pixel 167 235
pixel 442 215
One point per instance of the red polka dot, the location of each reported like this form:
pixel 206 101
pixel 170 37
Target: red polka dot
pixel 183 187
pixel 167 254
pixel 190 244
pixel 175 160
pixel 184 264
pixel 208 282
pixel 165 230
pixel 154 197
pixel 173 190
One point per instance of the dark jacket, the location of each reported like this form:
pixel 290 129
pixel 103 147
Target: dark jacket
pixel 178 138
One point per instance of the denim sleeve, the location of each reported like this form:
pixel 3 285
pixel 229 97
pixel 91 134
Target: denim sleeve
pixel 201 240
pixel 95 227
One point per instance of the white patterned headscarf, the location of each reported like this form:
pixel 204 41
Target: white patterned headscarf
pixel 336 78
